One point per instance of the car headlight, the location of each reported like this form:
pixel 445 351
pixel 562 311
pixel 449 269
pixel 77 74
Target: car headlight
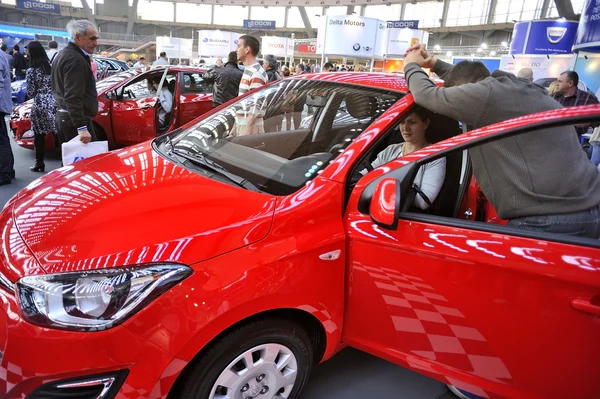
pixel 94 300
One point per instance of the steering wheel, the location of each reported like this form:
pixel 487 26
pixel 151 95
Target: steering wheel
pixel 365 164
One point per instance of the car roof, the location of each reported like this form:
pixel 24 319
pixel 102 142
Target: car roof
pixel 178 68
pixel 378 80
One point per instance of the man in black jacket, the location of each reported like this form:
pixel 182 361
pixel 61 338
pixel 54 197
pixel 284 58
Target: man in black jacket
pixel 226 80
pixel 73 84
pixel 19 63
pixel 270 65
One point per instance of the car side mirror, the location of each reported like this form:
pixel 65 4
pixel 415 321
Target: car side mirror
pixel 111 94
pixel 385 203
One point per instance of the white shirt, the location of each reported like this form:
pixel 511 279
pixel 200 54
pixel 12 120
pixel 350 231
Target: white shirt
pixel 429 179
pixel 165 98
pixel 51 54
pixel 138 65
pixel 161 61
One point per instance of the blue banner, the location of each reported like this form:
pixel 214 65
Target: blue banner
pixel 38 6
pixel 257 24
pixel 588 34
pixel 519 37
pixel 29 33
pixel 412 24
pixel 551 37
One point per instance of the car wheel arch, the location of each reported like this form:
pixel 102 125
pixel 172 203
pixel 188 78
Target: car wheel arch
pixel 306 320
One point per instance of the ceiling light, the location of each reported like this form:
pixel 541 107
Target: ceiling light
pixel 483 45
pixel 480 50
pixel 504 44
pixel 493 53
pixel 437 47
pixel 449 53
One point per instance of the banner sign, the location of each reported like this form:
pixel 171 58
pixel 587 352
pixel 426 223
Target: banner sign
pixel 216 43
pixel 588 32
pixel 29 33
pixel 350 36
pixel 412 24
pixel 543 37
pixel 543 67
pixel 587 68
pixel 277 46
pixel 400 40
pixel 257 24
pixel 38 6
pixel 175 47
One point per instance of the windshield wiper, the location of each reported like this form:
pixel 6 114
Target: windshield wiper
pixel 203 161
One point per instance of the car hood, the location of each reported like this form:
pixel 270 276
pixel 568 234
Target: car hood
pixel 133 207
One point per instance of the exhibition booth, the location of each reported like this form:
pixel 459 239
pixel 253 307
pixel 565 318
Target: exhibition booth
pixel 365 39
pixel 179 51
pixel 587 46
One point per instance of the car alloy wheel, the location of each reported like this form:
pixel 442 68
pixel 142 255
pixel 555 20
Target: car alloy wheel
pixel 268 358
pixel 265 371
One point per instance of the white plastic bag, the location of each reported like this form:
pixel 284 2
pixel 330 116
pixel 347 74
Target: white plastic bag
pixel 75 150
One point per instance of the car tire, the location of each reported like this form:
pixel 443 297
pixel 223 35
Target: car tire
pixel 275 348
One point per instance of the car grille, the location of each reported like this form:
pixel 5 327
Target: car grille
pixel 101 386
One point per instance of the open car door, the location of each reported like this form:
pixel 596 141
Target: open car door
pixel 133 112
pixel 491 309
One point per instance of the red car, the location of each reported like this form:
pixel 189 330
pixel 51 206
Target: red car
pixel 127 108
pixel 226 259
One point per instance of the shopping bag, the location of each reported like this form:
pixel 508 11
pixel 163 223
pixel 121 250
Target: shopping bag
pixel 74 150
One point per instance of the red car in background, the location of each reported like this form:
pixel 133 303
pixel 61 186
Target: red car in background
pixel 127 108
pixel 226 259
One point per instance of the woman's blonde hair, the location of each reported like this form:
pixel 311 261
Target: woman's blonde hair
pixel 359 68
pixel 553 88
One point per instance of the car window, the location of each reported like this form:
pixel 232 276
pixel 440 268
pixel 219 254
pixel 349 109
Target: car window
pixel 141 88
pixel 193 83
pixel 114 79
pixel 261 137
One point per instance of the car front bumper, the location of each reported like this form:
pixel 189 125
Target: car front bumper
pixel 34 357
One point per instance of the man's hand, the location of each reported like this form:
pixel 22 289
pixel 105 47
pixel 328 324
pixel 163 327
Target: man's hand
pixel 420 55
pixel 85 136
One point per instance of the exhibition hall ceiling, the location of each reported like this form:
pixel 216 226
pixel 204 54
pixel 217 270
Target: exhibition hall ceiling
pixel 308 3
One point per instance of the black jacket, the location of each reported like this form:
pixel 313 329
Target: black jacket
pixel 19 63
pixel 226 82
pixel 273 75
pixel 73 84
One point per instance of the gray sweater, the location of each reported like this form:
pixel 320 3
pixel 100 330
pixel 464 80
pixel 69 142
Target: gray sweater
pixel 543 172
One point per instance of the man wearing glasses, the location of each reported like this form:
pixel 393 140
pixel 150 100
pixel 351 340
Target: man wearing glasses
pixel 74 85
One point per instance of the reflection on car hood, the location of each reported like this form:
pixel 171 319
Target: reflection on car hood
pixel 131 207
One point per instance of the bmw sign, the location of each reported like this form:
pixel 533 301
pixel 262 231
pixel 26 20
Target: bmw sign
pixel 356 47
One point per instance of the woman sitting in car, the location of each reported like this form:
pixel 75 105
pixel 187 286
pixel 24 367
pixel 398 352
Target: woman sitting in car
pixel 430 177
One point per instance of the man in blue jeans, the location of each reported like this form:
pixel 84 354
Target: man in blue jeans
pixel 7 161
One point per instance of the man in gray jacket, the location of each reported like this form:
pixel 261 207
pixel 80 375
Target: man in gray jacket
pixel 518 174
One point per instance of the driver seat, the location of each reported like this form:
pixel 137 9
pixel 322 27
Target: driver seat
pixel 441 128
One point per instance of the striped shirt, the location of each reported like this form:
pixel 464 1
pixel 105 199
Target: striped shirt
pixel 254 76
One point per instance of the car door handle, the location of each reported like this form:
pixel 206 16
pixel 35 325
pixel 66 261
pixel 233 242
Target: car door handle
pixel 147 107
pixel 586 306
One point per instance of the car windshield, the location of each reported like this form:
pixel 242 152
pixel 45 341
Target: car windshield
pixel 114 79
pixel 284 135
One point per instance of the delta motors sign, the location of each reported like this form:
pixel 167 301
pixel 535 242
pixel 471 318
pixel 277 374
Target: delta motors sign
pixel 257 24
pixel 38 6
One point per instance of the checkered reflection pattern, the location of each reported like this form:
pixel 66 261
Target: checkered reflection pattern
pixel 11 375
pixel 436 331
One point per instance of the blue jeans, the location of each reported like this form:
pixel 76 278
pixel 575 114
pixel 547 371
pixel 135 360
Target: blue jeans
pixel 582 224
pixel 596 153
